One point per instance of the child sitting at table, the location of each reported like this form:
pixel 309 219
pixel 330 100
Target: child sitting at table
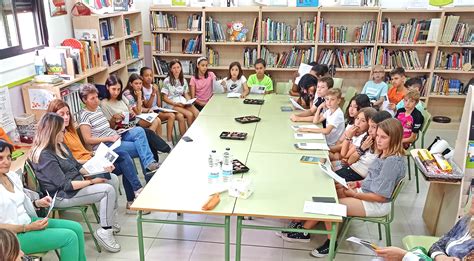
pixel 323 86
pixel 333 115
pixel 235 81
pixel 318 71
pixel 410 118
pixel 414 83
pixel 376 88
pixel 259 78
pixel 201 83
pixel 307 87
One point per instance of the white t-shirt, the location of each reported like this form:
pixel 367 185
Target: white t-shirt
pixel 18 197
pixel 362 165
pixel 335 119
pixel 356 140
pixel 147 94
pixel 235 86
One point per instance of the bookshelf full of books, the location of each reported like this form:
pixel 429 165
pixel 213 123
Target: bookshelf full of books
pixel 435 45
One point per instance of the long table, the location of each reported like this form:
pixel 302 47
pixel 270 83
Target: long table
pixel 180 184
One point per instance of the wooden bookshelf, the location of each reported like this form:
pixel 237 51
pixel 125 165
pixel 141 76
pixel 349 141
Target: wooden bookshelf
pixel 350 17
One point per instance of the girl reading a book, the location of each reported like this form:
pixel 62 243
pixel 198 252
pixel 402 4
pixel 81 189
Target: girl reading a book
pixel 201 83
pixel 235 82
pixel 60 174
pixel 176 93
pixel 153 101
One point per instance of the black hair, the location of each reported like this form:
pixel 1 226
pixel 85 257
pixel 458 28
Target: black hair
pixel 4 144
pixel 381 116
pixel 143 69
pixel 170 73
pixel 196 69
pixel 260 61
pixel 398 70
pixel 414 81
pixel 313 63
pixel 232 64
pixel 133 77
pixel 306 82
pixel 113 80
pixel 320 69
pixel 362 101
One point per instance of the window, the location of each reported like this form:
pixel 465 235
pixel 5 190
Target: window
pixel 22 27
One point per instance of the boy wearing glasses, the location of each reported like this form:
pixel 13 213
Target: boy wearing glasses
pixel 376 89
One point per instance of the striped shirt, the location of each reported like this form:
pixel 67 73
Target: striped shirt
pixel 100 126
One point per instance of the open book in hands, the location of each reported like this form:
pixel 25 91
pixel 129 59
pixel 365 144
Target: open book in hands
pixel 148 117
pixel 104 157
pixel 189 102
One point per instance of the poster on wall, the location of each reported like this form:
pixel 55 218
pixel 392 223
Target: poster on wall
pixel 7 122
pixel 40 98
pixel 57 7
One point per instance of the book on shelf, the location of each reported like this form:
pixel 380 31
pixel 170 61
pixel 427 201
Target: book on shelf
pixel 72 97
pixel 443 86
pixel 449 29
pixel 414 32
pixel 463 60
pixel 212 57
pixel 354 58
pixel 87 57
pixel 111 54
pixel 250 56
pixel 274 31
pixel 291 59
pixel 332 34
pixel 106 29
pixel 132 48
pixel 194 22
pixel 214 31
pixel 424 83
pixel 255 30
pixel 407 59
pixel 161 66
pixel 463 34
pixel 366 32
pixel 191 46
pixel 164 21
pixel 162 43
pixel 128 28
pixel 188 67
pixel 65 60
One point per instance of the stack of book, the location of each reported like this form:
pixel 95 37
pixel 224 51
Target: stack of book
pixel 289 59
pixel 365 33
pixel 132 48
pixel 456 33
pixel 355 58
pixel 86 58
pixel 250 56
pixel 455 61
pixel 162 43
pixel 65 60
pixel 161 66
pixel 212 57
pixel 162 21
pixel 414 32
pixel 191 46
pixel 48 79
pixel 440 85
pixel 111 54
pixel 407 59
pixel 106 29
pixel 214 31
pixel 274 31
pixel 332 34
pixel 194 22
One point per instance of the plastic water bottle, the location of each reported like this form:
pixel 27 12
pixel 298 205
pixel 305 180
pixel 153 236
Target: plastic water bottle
pixel 213 176
pixel 39 64
pixel 226 167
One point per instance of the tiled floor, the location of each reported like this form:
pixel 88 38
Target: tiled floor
pixel 172 242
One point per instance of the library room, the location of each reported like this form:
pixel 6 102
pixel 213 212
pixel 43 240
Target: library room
pixel 202 130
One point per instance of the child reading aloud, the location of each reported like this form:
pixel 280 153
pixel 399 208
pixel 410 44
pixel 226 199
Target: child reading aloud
pixel 259 78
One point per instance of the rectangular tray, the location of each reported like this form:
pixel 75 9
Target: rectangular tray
pixel 238 167
pixel 254 101
pixel 247 119
pixel 233 135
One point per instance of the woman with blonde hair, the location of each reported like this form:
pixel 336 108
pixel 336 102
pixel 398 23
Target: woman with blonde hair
pixel 60 174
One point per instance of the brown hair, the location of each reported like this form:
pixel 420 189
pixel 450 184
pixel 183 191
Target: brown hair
pixel 334 92
pixel 328 80
pixel 413 95
pixel 46 137
pixel 86 89
pixel 399 70
pixel 57 104
pixel 9 246
pixel 170 73
pixel 133 77
pixel 368 112
pixel 393 128
pixel 232 64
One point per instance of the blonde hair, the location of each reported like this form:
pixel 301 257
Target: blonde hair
pixel 393 128
pixel 413 95
pixel 334 92
pixel 46 137
pixel 377 67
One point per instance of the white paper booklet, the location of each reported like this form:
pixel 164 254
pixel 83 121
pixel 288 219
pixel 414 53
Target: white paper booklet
pixel 257 89
pixel 156 108
pixel 311 146
pixel 296 105
pixel 302 70
pixel 309 126
pixel 325 208
pixel 53 201
pixel 122 131
pixel 104 156
pixel 333 175
pixel 149 117
pixel 309 136
pixel 190 102
pixel 362 242
pixel 233 95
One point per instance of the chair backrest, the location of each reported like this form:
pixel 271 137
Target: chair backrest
pixel 283 87
pixel 350 92
pixel 31 180
pixel 395 193
pixel 338 82
pixel 426 124
pixel 87 146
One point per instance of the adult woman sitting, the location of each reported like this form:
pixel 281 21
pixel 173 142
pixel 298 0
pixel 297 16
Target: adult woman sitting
pixel 17 214
pixel 370 197
pixel 123 164
pixel 95 129
pixel 59 173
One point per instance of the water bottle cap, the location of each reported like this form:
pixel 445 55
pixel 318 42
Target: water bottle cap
pixel 213 151
pixel 227 148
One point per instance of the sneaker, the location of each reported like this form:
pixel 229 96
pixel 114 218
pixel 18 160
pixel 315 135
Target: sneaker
pixel 116 228
pixel 297 236
pixel 293 224
pixel 106 239
pixel 323 250
pixel 138 192
pixel 152 167
pixel 129 211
